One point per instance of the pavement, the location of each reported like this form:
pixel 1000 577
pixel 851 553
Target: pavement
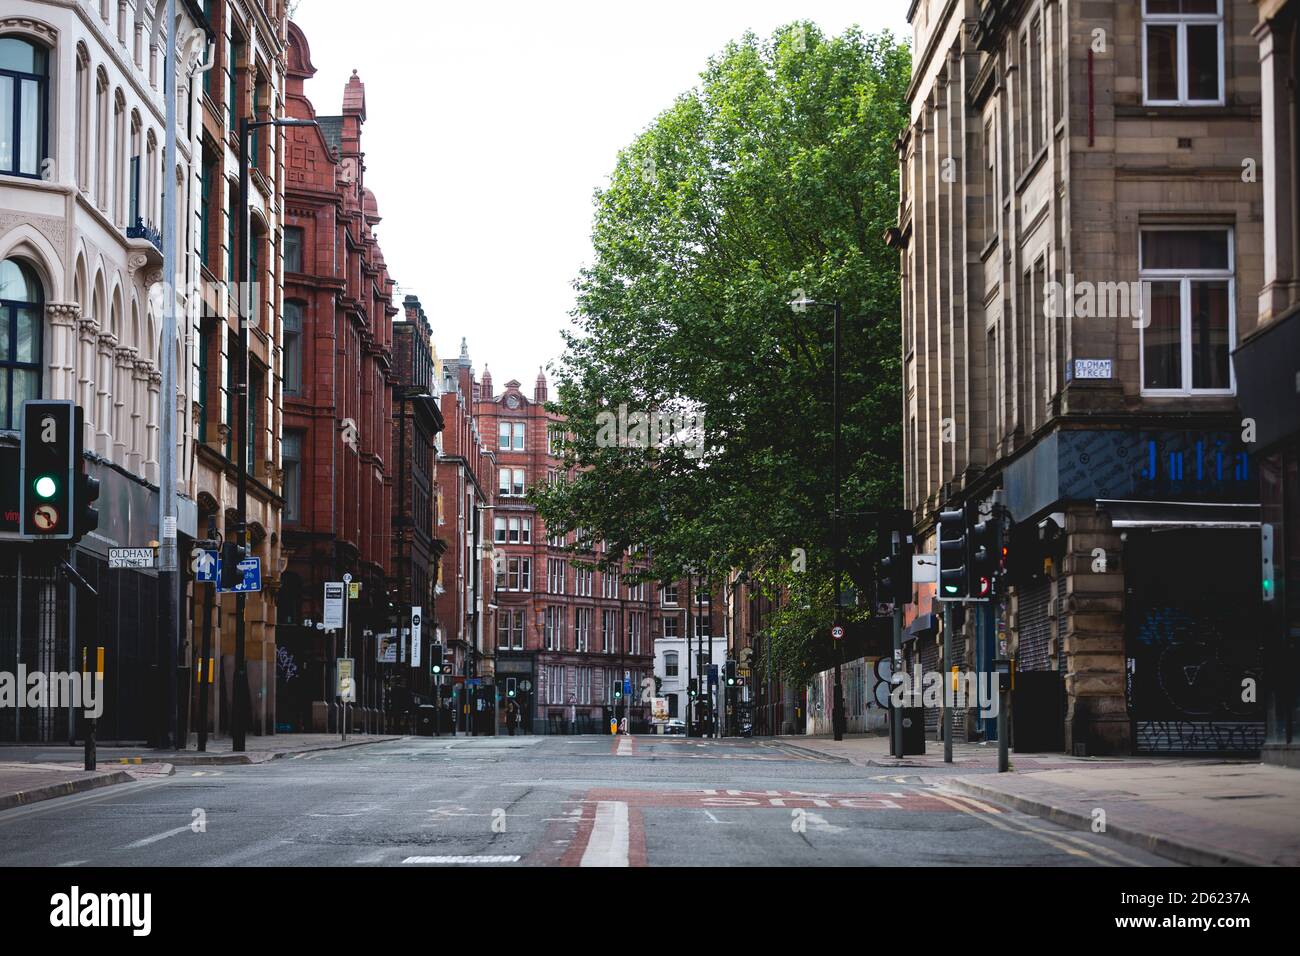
pixel 34 772
pixel 593 801
pixel 1200 811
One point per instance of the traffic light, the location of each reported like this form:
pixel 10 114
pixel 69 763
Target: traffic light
pixel 618 689
pixel 231 575
pixel 953 584
pixel 987 550
pixel 695 687
pixel 51 440
pixel 510 687
pixel 895 576
pixel 730 673
pixel 85 493
pixel 435 660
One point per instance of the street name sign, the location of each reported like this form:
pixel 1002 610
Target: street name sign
pixel 130 557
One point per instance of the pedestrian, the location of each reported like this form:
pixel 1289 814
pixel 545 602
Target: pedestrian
pixel 512 717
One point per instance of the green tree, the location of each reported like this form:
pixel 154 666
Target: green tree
pixel 775 177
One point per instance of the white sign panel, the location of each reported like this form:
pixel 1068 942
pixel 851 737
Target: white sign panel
pixel 386 647
pixel 1091 368
pixel 130 557
pixel 347 691
pixel 417 618
pixel 925 568
pixel 333 618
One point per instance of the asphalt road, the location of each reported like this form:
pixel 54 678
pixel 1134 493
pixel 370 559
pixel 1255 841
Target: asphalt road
pixel 543 801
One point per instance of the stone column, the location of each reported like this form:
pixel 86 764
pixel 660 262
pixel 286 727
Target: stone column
pixel 140 412
pixel 107 344
pixel 88 336
pixel 151 461
pixel 63 318
pixel 123 387
pixel 1281 179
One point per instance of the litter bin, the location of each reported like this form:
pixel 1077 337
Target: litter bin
pixel 913 730
pixel 426 715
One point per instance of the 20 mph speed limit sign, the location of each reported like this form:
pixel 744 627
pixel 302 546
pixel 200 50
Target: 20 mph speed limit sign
pixel 837 632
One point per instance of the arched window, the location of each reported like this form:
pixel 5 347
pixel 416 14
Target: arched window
pixel 24 101
pixel 670 663
pixel 21 301
pixel 83 128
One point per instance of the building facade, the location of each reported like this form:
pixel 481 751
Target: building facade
pixel 246 80
pixel 416 547
pixel 463 593
pixel 1081 243
pixel 1268 363
pixel 337 444
pixel 81 186
pixel 564 630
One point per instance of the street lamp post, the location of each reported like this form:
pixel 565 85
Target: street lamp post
pixel 801 305
pixel 245 305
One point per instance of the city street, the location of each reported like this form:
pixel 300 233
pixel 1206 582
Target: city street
pixel 529 801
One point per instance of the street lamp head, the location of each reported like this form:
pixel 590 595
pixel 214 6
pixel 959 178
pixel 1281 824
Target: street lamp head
pixel 803 303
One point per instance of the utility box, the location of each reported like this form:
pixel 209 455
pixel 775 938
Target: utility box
pixel 426 716
pixel 913 730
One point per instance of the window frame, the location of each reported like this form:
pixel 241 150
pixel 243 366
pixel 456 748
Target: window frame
pixel 1185 277
pixel 42 81
pixel 9 309
pixel 1181 21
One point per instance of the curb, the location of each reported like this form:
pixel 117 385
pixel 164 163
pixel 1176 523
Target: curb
pixel 23 797
pixel 252 757
pixel 1178 850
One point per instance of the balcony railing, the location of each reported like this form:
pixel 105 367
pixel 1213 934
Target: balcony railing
pixel 141 230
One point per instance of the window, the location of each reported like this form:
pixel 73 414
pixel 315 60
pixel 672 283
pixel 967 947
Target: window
pixel 1188 324
pixel 670 664
pixel 254 399
pixel 553 627
pixel 554 442
pixel 521 530
pixel 292 249
pixel 515 574
pixel 554 683
pixel 607 631
pixel 990 183
pixel 510 436
pixel 555 541
pixel 583 674
pixel 499 530
pixel 510 628
pixel 510 482
pixel 23 104
pixel 669 594
pixel 635 626
pixel 672 625
pixel 555 574
pixel 582 578
pixel 21 325
pixel 581 628
pixel 1182 52
pixel 293 348
pixel 291 456
pixel 609 585
pixel 636 592
pixel 1030 108
pixel 672 705
pixel 702 625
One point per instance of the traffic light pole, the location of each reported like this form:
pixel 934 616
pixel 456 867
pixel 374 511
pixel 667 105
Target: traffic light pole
pixel 948 617
pixel 896 712
pixel 168 578
pixel 245 307
pixel 837 718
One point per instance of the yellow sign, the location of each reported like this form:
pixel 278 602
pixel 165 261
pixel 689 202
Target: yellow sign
pixel 354 589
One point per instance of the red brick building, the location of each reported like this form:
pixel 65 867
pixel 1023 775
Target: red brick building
pixel 564 633
pixel 338 407
pixel 463 592
pixel 415 442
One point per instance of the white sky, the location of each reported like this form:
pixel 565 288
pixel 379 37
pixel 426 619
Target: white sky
pixel 489 125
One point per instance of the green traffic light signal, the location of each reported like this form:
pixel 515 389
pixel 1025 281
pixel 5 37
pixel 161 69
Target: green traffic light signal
pixel 46 487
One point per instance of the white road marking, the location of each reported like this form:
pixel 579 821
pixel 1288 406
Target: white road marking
pixel 155 838
pixel 74 863
pixel 461 859
pixel 624 747
pixel 608 844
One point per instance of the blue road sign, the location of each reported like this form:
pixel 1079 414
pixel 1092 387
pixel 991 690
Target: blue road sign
pixel 627 687
pixel 207 566
pixel 474 681
pixel 252 570
pixel 713 674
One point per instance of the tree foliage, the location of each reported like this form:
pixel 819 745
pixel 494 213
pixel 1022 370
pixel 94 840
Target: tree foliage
pixel 776 176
